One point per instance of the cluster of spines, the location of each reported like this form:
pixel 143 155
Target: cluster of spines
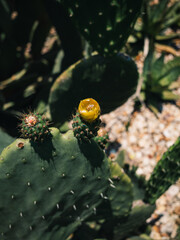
pixel 84 131
pixel 34 126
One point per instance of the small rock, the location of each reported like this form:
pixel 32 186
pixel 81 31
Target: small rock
pixel 168 224
pixel 140 171
pixel 155 234
pixel 177 210
pixel 132 139
pixel 172 191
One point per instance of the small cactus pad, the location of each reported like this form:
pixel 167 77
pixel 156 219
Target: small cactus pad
pixel 48 189
pixel 84 130
pixel 111 81
pixel 34 126
pixel 105 24
pixel 166 173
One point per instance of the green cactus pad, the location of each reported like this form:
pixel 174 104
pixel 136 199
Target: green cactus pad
pixel 135 220
pixel 34 126
pixel 120 192
pixel 119 196
pixel 5 140
pixel 127 226
pixel 84 131
pixel 166 173
pixel 111 81
pixel 105 24
pixel 49 188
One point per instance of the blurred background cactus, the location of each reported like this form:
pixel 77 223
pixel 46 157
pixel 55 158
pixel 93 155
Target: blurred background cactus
pixel 53 54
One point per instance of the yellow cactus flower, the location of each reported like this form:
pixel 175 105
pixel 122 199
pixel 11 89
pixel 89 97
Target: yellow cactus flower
pixel 89 109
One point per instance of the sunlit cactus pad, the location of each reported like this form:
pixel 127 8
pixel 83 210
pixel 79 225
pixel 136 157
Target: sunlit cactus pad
pixel 120 194
pixel 49 188
pixel 105 24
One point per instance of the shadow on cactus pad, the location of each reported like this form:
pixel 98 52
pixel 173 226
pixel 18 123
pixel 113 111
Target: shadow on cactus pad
pixel 47 155
pixel 105 24
pixel 111 81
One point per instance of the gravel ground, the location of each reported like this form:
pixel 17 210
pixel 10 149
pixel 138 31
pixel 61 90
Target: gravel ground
pixel 147 138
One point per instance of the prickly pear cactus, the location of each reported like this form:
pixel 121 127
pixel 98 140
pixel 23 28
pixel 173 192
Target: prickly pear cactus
pixel 166 173
pixel 111 81
pixel 105 24
pixel 119 196
pixel 49 188
pixel 119 193
pixel 34 126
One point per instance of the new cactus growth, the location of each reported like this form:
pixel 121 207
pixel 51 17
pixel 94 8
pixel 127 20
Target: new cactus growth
pixel 34 126
pixel 102 140
pixel 86 122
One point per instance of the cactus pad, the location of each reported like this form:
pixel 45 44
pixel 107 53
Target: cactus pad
pixel 120 193
pixel 119 196
pixel 135 220
pixel 166 173
pixel 111 81
pixel 5 140
pixel 105 24
pixel 49 188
